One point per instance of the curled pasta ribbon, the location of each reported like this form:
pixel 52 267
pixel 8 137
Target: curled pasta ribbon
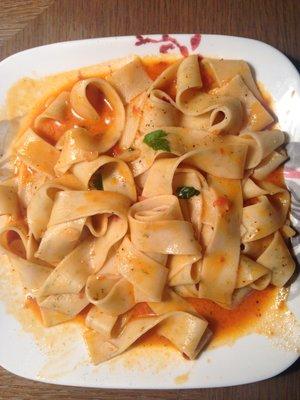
pixel 190 290
pixel 17 244
pixel 258 116
pixel 15 239
pixel 140 278
pixel 184 270
pixel 159 180
pixel 269 164
pixel 59 240
pixel 267 215
pixel 226 113
pixel 40 206
pixel 94 204
pixel 192 208
pixel 187 332
pixel 76 145
pixel 252 189
pixel 157 226
pixel 82 107
pixel 253 274
pixel 114 174
pixel 200 110
pixel 71 273
pixel 261 144
pixel 147 276
pixel 31 149
pixel 226 117
pixel 20 249
pixel 224 70
pixel 113 296
pixel 278 259
pixel 158 111
pixel 55 111
pixel 86 203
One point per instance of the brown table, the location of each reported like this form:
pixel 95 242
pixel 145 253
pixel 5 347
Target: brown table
pixel 29 23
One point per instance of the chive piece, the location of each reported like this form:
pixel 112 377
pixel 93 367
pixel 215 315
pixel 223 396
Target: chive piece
pixel 157 140
pixel 186 192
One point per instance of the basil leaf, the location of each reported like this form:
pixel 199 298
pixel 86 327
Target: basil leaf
pixel 96 182
pixel 186 192
pixel 157 140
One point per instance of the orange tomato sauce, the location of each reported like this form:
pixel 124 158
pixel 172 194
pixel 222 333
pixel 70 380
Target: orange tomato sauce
pixel 32 305
pixel 228 325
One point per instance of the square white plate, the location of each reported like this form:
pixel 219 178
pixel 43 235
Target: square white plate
pixel 251 358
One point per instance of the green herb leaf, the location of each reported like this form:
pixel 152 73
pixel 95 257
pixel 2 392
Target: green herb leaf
pixel 96 182
pixel 186 192
pixel 157 140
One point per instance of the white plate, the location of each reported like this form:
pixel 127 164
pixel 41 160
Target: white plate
pixel 251 358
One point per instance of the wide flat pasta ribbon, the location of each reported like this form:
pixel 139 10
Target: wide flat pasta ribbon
pixel 221 258
pixel 187 332
pixel 40 206
pixel 82 107
pixel 224 70
pixel 36 153
pixel 114 174
pixel 147 276
pixel 157 226
pixel 264 218
pixel 278 259
pixel 158 111
pixel 130 80
pixel 258 116
pixel 253 274
pixel 261 144
pixel 55 111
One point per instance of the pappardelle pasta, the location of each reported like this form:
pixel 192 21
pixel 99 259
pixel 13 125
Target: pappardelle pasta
pixel 130 193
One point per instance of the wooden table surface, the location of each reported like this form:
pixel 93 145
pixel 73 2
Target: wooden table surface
pixel 29 23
